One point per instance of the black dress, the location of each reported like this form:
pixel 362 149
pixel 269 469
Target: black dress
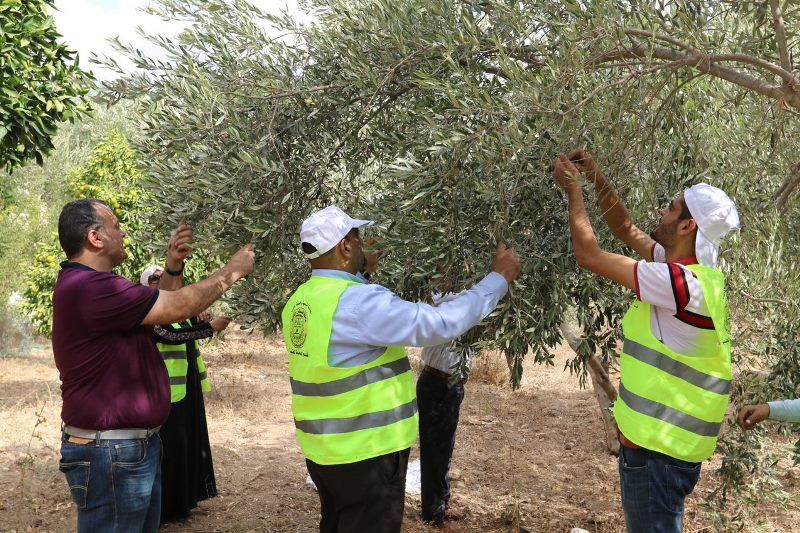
pixel 187 470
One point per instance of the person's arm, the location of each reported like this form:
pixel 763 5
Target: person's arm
pixel 784 410
pixel 178 250
pixel 377 317
pixel 781 411
pixel 172 335
pixel 588 253
pixel 612 207
pixel 174 306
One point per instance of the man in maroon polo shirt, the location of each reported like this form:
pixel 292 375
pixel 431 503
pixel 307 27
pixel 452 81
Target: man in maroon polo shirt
pixel 115 388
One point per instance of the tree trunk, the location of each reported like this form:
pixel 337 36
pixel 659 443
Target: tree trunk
pixel 604 390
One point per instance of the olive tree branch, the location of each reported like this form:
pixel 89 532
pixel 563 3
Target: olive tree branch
pixel 704 63
pixel 765 300
pixel 659 37
pixel 780 34
pixel 787 188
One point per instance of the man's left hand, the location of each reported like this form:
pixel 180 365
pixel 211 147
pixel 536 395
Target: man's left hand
pixel 372 258
pixel 565 173
pixel 180 246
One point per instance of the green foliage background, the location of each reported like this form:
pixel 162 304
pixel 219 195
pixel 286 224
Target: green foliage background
pixel 110 174
pixel 440 118
pixel 41 85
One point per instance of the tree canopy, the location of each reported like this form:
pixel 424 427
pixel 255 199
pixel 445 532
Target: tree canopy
pixel 440 120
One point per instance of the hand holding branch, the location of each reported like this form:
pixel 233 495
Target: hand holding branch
pixel 506 263
pixel 180 246
pixel 565 173
pixel 372 259
pixel 751 415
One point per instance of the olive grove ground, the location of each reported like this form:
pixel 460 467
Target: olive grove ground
pixel 535 455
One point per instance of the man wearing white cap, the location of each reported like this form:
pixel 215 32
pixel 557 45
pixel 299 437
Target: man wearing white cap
pixel 675 365
pixel 353 396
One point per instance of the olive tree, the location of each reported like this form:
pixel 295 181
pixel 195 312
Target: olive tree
pixel 440 118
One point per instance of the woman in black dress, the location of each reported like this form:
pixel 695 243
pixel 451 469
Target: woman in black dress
pixel 187 470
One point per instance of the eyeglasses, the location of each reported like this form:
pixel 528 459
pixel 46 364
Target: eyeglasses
pixel 153 277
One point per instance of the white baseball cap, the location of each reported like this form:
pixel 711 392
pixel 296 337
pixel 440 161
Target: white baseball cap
pixel 324 229
pixel 149 271
pixel 715 215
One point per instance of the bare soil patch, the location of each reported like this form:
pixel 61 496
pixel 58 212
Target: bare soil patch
pixel 535 455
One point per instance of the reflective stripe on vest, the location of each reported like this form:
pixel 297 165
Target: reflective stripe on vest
pixel 176 360
pixel 669 415
pixel 676 368
pixel 343 414
pixel 669 402
pixel 365 377
pixel 357 423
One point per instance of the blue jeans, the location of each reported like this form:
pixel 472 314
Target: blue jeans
pixel 654 487
pixel 115 484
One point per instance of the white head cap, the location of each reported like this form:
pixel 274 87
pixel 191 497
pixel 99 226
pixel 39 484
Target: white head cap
pixel 324 229
pixel 149 271
pixel 715 215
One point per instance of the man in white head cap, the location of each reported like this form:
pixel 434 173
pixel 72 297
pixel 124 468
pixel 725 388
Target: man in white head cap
pixel 675 365
pixel 353 396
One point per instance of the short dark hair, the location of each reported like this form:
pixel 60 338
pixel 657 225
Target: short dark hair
pixel 309 248
pixel 685 213
pixel 74 223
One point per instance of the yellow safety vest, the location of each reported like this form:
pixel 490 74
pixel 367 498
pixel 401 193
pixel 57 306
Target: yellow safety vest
pixel 673 403
pixel 343 415
pixel 177 365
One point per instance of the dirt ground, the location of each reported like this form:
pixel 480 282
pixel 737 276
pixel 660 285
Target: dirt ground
pixel 535 455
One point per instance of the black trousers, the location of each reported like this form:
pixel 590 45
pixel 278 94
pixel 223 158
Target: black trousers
pixel 439 404
pixel 367 496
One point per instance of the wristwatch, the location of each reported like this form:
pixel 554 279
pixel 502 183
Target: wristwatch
pixel 175 272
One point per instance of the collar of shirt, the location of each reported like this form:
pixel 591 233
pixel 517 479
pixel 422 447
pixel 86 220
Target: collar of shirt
pixel 686 261
pixel 79 266
pixel 338 274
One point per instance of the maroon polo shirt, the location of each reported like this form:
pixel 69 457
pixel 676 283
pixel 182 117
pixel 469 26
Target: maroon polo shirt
pixel 112 376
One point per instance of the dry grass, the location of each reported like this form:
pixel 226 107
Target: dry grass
pixel 534 456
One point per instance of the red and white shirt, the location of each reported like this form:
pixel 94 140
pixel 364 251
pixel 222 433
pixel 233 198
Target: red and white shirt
pixel 679 316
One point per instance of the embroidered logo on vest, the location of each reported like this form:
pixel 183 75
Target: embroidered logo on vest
pixel 299 325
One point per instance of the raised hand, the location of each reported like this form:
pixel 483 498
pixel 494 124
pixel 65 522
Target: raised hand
pixel 243 261
pixel 372 259
pixel 584 162
pixel 180 246
pixel 506 263
pixel 565 172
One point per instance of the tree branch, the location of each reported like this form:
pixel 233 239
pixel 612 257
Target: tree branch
pixel 787 188
pixel 604 390
pixel 604 381
pixel 765 300
pixel 787 76
pixel 780 34
pixel 659 37
pixel 702 63
pixel 488 69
